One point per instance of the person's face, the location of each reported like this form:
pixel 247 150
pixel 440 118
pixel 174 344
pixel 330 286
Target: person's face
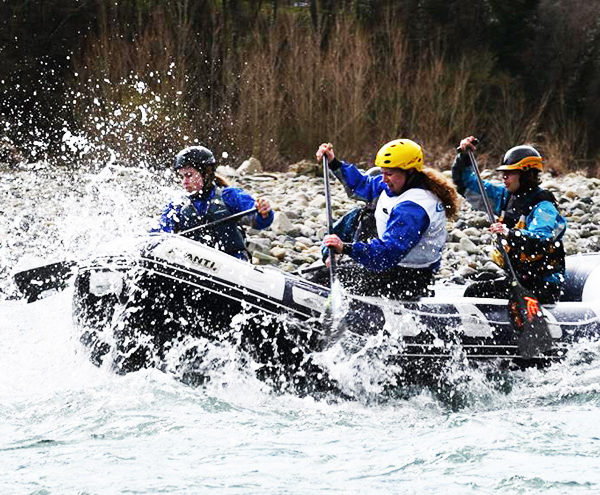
pixel 511 180
pixel 191 179
pixel 394 178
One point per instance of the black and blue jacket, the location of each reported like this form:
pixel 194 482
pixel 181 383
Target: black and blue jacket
pixel 194 211
pixel 536 251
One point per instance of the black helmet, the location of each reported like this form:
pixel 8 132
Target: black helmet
pixel 521 158
pixel 198 157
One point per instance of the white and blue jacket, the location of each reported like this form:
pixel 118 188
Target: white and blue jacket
pixel 411 226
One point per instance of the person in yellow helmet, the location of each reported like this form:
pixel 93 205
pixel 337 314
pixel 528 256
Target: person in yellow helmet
pixel 396 244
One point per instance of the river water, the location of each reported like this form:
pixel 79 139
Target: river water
pixel 67 426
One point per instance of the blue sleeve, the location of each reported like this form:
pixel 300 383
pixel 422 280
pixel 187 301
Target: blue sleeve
pixel 407 224
pixel 466 182
pixel 359 185
pixel 166 222
pixel 238 200
pixel 544 223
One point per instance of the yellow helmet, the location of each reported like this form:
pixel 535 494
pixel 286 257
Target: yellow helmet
pixel 400 153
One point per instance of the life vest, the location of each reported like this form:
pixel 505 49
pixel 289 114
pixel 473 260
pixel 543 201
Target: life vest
pixel 532 258
pixel 523 204
pixel 429 248
pixel 366 228
pixel 226 236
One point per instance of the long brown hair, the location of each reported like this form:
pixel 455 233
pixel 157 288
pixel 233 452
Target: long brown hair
pixel 528 180
pixel 211 178
pixel 444 189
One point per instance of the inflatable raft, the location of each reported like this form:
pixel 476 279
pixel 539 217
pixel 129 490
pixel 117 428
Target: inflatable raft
pixel 134 303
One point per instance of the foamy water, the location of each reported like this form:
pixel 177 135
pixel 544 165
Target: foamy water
pixel 67 426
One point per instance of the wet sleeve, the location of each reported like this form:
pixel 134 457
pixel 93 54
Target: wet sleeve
pixel 167 220
pixel 238 200
pixel 466 184
pixel 407 224
pixel 358 185
pixel 544 224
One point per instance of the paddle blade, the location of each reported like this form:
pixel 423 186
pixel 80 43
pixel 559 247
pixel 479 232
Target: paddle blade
pixel 528 321
pixel 34 282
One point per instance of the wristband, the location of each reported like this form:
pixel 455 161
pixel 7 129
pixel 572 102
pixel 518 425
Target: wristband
pixel 334 164
pixel 347 248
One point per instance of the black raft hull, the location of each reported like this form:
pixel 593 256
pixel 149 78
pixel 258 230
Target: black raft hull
pixel 134 308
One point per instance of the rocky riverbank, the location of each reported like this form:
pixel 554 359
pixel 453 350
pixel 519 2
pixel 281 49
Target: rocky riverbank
pixel 51 213
pixel 299 226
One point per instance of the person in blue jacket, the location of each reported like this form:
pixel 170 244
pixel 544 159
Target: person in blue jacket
pixel 529 223
pixel 396 244
pixel 209 199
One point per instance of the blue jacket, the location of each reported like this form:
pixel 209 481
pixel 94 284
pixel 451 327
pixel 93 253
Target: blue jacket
pixel 407 223
pixel 176 217
pixel 543 224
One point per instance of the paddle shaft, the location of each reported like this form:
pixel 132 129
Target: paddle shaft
pixel 490 214
pixel 230 218
pixel 332 267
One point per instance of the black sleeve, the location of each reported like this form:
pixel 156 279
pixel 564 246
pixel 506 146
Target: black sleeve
pixel 335 164
pixel 461 162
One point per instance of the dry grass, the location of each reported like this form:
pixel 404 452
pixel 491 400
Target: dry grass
pixel 278 95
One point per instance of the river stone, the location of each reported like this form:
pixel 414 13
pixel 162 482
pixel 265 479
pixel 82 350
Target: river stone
pixel 278 252
pixel 307 231
pixel 300 246
pixel 456 235
pixel 321 232
pixel 452 246
pixel 472 232
pixel 259 244
pixel 292 215
pixel 588 231
pixel 490 266
pixel 479 221
pixel 311 224
pixel 304 167
pixel 226 171
pixel 300 199
pixel 250 166
pixel 259 258
pixel 571 194
pixel 468 245
pixel 318 201
pixel 304 240
pixel 466 271
pixel 281 223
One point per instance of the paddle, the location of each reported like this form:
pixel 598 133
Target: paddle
pixel 527 319
pixel 230 218
pixel 332 310
pixel 332 266
pixel 34 282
